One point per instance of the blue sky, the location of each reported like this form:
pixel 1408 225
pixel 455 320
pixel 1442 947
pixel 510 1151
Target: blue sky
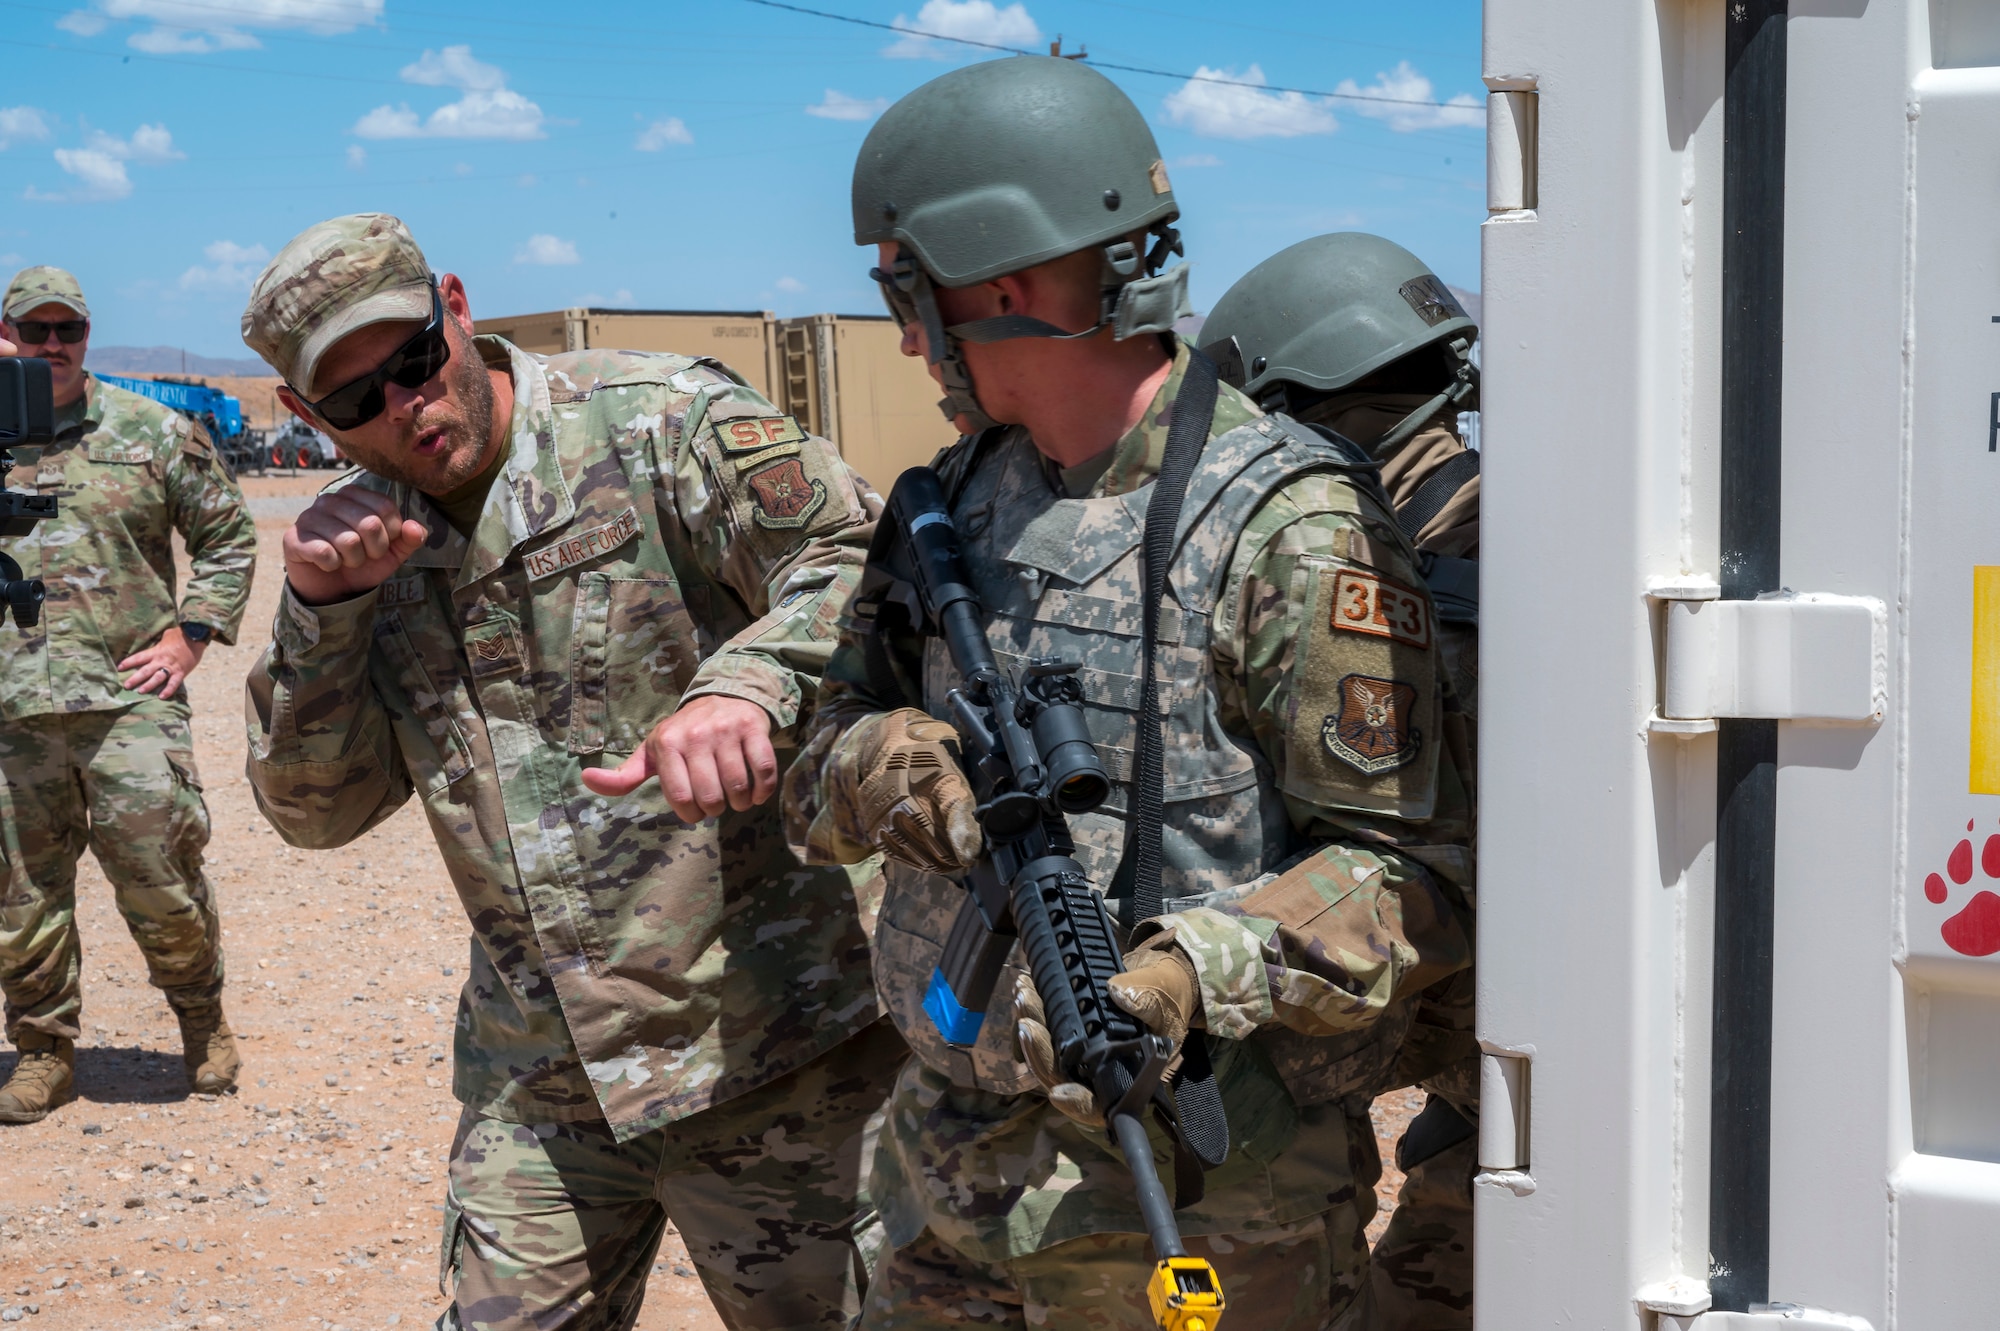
pixel 668 155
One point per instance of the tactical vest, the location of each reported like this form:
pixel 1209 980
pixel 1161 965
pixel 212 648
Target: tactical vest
pixel 1064 578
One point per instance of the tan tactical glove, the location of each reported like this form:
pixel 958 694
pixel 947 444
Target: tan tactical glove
pixel 1157 986
pixel 897 788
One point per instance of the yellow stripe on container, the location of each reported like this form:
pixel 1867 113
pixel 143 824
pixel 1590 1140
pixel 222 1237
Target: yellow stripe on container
pixel 1985 775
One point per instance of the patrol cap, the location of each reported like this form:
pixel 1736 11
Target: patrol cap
pixel 42 285
pixel 329 280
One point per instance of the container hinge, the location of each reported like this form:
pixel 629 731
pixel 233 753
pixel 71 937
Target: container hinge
pixel 1786 656
pixel 1683 1296
pixel 1780 1317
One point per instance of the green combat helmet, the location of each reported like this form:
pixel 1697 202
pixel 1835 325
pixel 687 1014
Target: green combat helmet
pixel 1003 165
pixel 1327 313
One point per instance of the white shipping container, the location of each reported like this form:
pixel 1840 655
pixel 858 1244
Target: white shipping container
pixel 1614 408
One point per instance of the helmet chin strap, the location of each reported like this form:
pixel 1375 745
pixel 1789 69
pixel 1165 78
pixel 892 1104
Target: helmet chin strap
pixel 1462 392
pixel 1463 389
pixel 1134 299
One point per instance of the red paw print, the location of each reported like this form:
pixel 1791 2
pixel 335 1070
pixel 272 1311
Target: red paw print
pixel 1975 930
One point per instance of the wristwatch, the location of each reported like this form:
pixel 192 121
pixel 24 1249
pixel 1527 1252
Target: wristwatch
pixel 197 632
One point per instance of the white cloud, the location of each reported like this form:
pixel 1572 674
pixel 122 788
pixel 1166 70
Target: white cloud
pixel 839 106
pixel 99 175
pixel 974 20
pixel 189 27
pixel 1195 159
pixel 357 156
pixel 547 251
pixel 1464 111
pixel 454 67
pixel 791 285
pixel 163 40
pixel 389 122
pixel 488 109
pixel 99 166
pixel 22 124
pixel 661 133
pixel 1232 111
pixel 504 114
pixel 151 144
pixel 231 267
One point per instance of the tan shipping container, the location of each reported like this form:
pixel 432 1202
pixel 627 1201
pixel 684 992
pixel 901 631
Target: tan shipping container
pixel 843 375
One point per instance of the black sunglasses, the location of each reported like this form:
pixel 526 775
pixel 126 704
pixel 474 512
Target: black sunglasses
pixel 412 365
pixel 902 305
pixel 34 332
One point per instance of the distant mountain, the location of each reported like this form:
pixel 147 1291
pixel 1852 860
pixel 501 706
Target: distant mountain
pixel 169 360
pixel 1469 299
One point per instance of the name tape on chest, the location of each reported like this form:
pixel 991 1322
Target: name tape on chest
pixel 401 591
pixel 1366 603
pixel 751 434
pixel 571 550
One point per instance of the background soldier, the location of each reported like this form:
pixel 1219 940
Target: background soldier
pixel 1354 333
pixel 1315 826
pixel 544 556
pixel 94 742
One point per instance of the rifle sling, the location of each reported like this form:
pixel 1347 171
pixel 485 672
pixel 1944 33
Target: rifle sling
pixel 1201 1128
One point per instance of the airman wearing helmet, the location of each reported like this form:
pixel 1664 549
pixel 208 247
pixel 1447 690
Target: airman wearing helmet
pixel 1354 333
pixel 1312 827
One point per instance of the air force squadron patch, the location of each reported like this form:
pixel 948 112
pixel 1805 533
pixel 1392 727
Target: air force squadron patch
pixel 1374 729
pixel 784 496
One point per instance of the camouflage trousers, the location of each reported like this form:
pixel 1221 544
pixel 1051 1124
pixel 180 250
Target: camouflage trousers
pixel 122 783
pixel 1420 1273
pixel 1287 1278
pixel 555 1225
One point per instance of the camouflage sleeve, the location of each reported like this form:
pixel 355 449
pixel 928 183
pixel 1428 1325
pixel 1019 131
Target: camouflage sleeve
pixel 1326 649
pixel 849 691
pixel 208 511
pixel 777 517
pixel 324 764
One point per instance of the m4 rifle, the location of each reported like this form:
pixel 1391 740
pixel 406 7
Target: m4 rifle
pixel 1031 763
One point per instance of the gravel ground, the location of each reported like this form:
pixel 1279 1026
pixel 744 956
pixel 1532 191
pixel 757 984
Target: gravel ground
pixel 311 1198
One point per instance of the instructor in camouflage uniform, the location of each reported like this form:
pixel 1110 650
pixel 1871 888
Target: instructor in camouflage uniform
pixel 1353 333
pixel 94 742
pixel 1314 821
pixel 553 580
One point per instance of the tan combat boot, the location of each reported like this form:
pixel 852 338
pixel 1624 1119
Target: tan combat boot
pixel 44 1079
pixel 208 1048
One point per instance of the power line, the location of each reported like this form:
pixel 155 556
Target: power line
pixel 1104 64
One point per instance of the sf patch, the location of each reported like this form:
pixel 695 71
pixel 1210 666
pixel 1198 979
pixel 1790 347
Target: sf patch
pixel 1369 603
pixel 1375 728
pixel 753 434
pixel 784 498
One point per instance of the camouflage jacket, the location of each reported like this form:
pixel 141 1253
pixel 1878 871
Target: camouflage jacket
pixel 658 532
pixel 1316 827
pixel 1453 532
pixel 127 473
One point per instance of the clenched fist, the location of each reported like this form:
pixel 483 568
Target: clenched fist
pixel 348 542
pixel 713 753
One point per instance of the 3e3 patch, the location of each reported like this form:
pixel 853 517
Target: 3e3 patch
pixel 1365 714
pixel 1368 603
